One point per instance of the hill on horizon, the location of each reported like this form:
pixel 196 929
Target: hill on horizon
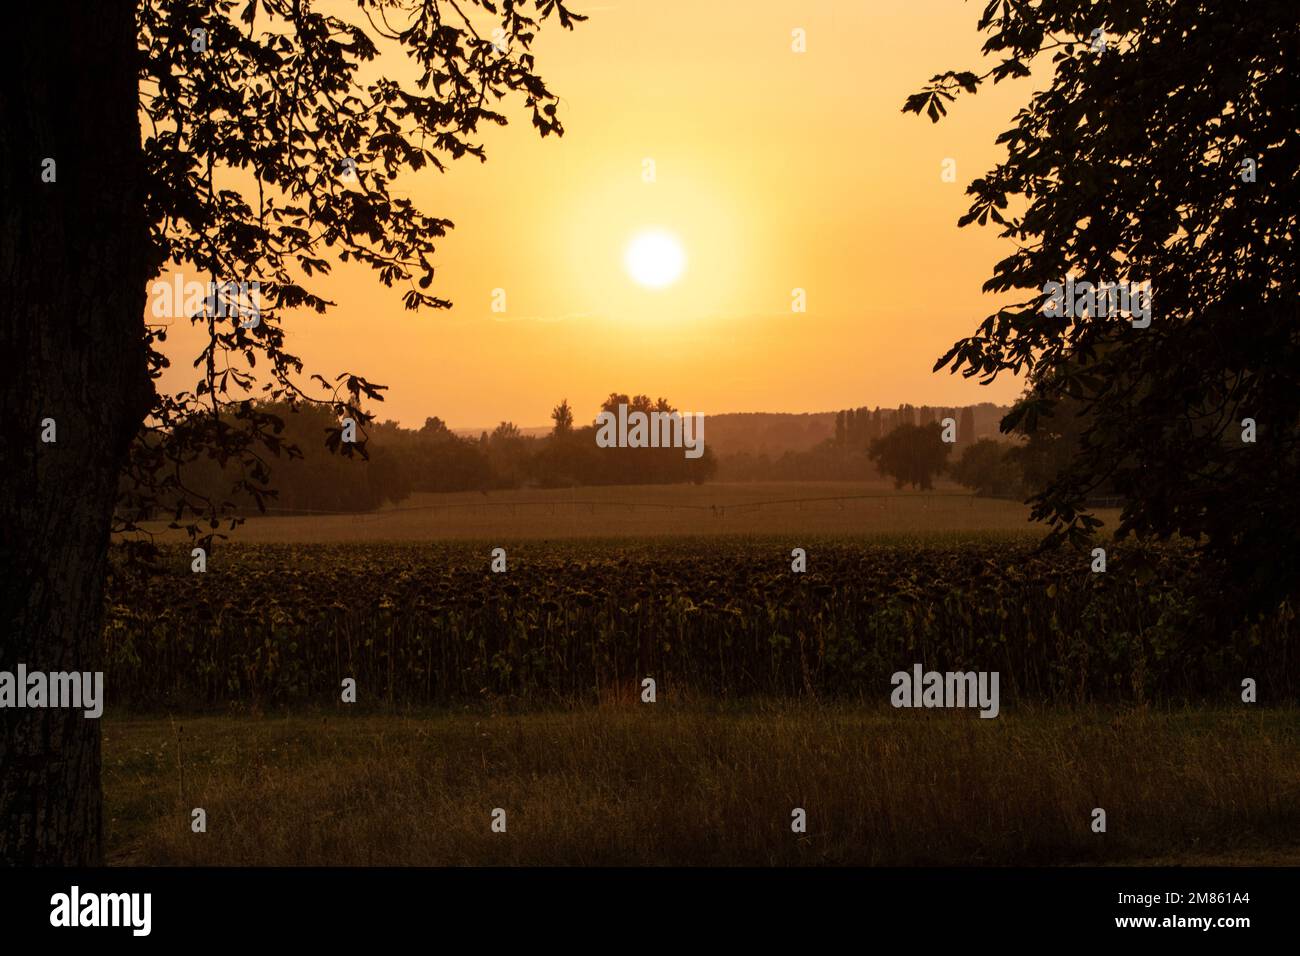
pixel 775 433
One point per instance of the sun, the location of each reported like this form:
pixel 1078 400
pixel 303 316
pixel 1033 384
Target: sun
pixel 654 258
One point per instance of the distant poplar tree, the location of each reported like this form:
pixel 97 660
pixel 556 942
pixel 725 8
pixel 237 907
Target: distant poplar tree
pixel 966 427
pixel 562 415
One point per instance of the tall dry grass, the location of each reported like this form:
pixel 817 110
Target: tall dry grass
pixel 660 784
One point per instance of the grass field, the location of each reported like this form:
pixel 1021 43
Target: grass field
pixel 814 508
pixel 658 784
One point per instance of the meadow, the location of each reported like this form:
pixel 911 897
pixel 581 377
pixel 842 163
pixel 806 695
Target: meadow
pixel 522 690
pixel 672 784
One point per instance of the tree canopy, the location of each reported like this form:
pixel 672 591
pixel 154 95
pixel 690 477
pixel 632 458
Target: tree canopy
pixel 1162 150
pixel 911 454
pixel 271 148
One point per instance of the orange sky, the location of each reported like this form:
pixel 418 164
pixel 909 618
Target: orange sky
pixel 775 169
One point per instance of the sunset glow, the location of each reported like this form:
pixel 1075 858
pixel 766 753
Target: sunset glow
pixel 770 170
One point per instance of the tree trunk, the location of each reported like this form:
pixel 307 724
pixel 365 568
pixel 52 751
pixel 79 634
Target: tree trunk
pixel 73 269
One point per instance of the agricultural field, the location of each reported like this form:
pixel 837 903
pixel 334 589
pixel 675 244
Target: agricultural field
pixel 523 689
pixel 568 621
pixel 633 511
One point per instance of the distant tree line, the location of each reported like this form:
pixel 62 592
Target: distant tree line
pixel 846 456
pixel 907 446
pixel 904 444
pixel 1042 447
pixel 857 428
pixel 303 475
pixel 1022 465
